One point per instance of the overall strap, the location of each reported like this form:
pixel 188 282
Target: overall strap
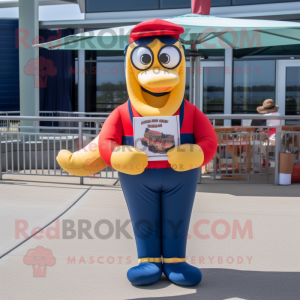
pixel 180 116
pixel 130 111
pixel 181 113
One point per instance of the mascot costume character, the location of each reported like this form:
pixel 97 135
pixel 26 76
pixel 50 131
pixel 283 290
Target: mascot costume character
pixel 159 194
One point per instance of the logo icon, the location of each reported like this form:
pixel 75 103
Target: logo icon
pixel 39 258
pixel 40 68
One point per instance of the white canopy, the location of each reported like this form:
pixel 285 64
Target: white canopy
pixel 208 32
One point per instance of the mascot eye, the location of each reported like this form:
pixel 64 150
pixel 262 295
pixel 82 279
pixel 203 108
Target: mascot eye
pixel 142 58
pixel 169 57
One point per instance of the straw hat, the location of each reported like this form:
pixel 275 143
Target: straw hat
pixel 267 107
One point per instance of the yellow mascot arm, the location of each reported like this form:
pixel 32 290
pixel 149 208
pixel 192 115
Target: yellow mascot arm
pixel 84 162
pixel 129 160
pixel 185 157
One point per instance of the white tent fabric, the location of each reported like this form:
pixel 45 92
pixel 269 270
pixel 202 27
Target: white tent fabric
pixel 208 32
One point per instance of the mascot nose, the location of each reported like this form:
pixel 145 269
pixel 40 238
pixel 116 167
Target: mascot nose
pixel 158 77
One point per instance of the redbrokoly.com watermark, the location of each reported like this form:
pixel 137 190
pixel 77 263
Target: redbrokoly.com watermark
pixel 128 260
pixel 40 259
pixel 105 229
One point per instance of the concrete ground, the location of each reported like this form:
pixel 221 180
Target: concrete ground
pixel 243 236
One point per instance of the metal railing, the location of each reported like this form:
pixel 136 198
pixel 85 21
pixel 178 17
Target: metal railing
pixel 57 113
pixel 26 150
pixel 260 156
pixel 241 154
pixel 48 125
pixel 30 150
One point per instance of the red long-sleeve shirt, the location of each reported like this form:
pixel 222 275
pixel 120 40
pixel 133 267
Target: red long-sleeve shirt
pixel 195 124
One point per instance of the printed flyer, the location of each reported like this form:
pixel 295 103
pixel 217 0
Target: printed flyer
pixel 156 135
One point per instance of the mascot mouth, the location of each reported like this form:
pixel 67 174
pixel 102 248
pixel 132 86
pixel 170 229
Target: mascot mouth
pixel 156 94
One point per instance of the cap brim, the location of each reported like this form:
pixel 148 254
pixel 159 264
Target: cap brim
pixel 263 110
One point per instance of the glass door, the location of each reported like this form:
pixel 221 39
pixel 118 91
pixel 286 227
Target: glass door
pixel 288 88
pixel 212 75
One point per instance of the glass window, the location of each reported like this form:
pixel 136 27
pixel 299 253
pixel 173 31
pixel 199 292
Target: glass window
pixel 164 4
pixel 249 2
pixel 120 5
pixel 105 85
pixel 253 82
pixel 213 90
pixel 175 4
pixel 104 54
pixel 292 92
pixel 215 3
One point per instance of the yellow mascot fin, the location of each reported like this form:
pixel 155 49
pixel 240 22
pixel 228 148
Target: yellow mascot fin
pixel 84 162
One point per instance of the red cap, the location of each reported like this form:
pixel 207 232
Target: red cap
pixel 155 27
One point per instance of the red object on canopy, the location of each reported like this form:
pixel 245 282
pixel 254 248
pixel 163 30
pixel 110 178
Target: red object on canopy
pixel 201 7
pixel 155 27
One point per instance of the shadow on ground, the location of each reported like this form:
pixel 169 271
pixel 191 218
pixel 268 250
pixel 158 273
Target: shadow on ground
pixel 219 284
pixel 240 188
pixel 59 185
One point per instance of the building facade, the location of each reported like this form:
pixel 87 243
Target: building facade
pixel 231 81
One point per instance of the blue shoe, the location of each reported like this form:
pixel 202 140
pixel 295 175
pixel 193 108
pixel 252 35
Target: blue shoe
pixel 182 273
pixel 145 273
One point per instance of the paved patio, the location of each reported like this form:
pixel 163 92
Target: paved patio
pixel 261 262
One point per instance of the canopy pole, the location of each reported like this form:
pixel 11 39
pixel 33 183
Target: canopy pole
pixel 195 58
pixel 228 84
pixel 197 81
pixel 81 78
pixel 192 67
pixel 29 61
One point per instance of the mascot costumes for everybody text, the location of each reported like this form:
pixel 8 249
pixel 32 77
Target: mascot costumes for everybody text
pixel 159 194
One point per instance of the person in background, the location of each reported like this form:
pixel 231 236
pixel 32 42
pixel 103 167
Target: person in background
pixel 269 109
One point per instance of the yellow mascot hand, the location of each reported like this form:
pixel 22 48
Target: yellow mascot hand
pixel 185 157
pixel 129 160
pixel 84 162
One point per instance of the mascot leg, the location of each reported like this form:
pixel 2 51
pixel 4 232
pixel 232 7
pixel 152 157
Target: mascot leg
pixel 177 200
pixel 143 194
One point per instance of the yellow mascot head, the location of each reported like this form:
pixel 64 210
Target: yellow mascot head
pixel 155 68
